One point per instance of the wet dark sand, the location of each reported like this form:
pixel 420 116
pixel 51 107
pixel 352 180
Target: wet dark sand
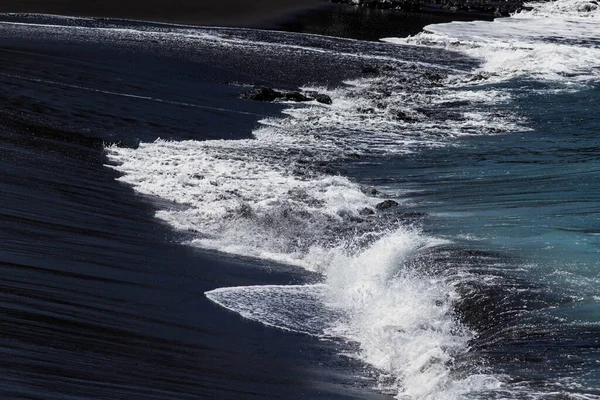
pixel 363 23
pixel 98 299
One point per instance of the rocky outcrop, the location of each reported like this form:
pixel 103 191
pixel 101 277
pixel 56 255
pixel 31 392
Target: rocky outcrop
pixel 323 98
pixel 384 205
pixel 263 93
pixel 493 8
pixel 366 211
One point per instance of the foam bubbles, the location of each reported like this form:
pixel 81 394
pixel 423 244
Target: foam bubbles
pixel 403 321
pixel 554 41
pixel 298 308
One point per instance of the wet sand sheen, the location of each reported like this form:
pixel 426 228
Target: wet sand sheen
pixel 98 299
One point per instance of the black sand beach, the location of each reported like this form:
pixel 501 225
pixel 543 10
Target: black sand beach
pixel 99 300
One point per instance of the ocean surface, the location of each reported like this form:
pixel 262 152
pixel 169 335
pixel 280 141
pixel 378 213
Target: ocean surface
pixel 433 233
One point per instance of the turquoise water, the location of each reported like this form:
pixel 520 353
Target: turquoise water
pixel 534 194
pixel 527 203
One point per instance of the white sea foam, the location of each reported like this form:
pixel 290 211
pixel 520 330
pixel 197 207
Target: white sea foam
pixel 554 41
pixel 402 321
pixel 298 308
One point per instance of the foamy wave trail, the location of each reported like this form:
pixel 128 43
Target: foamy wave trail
pixel 557 41
pixel 278 197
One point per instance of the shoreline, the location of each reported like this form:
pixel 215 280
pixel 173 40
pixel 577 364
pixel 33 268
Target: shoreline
pixel 123 287
pixel 324 17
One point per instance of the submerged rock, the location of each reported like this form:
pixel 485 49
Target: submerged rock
pixel 323 98
pixel 263 93
pixel 295 96
pixel 384 205
pixel 366 211
pixel 370 191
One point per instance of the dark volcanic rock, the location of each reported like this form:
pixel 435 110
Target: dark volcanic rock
pixel 370 69
pixel 433 76
pixel 295 96
pixel 384 205
pixel 323 98
pixel 261 94
pixel 370 191
pixel 492 8
pixel 366 211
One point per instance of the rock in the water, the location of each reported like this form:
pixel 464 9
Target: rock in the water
pixel 261 93
pixel 295 96
pixel 370 191
pixel 370 69
pixel 384 205
pixel 366 211
pixel 264 93
pixel 323 98
pixel 433 76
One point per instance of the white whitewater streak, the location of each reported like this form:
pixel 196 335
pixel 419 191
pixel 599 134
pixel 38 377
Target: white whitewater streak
pixel 554 41
pixel 297 308
pixel 241 198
